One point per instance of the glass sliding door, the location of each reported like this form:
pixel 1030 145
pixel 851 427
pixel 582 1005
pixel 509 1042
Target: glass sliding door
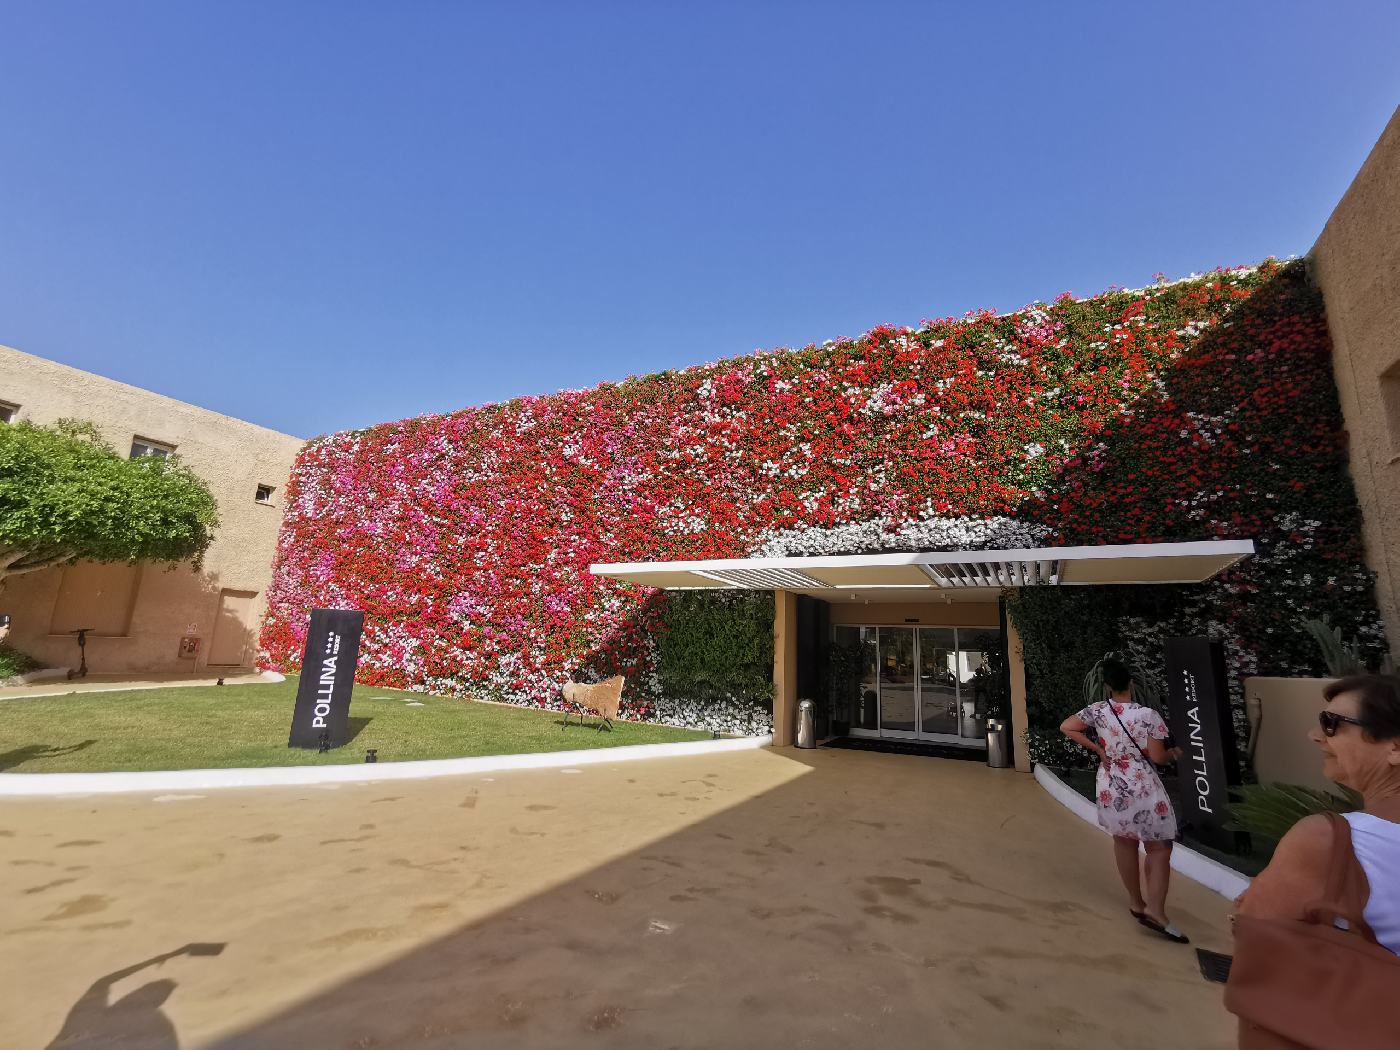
pixel 938 683
pixel 899 683
pixel 918 683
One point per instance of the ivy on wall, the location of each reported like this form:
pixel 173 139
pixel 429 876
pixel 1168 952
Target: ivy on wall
pixel 715 645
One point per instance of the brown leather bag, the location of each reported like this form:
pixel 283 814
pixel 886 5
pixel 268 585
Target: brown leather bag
pixel 1307 983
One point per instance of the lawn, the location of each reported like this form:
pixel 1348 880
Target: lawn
pixel 213 727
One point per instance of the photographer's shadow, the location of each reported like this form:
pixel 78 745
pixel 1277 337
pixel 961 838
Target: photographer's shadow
pixel 135 1020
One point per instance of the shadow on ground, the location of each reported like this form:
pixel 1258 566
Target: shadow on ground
pixel 865 899
pixel 137 1019
pixel 30 752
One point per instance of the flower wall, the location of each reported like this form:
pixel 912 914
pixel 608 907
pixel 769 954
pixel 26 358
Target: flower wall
pixel 1189 410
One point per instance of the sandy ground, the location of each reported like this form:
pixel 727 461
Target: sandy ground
pixel 751 899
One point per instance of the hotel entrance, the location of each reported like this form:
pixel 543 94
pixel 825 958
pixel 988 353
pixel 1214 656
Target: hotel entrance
pixel 917 649
pixel 930 684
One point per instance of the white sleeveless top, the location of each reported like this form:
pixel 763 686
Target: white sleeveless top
pixel 1376 843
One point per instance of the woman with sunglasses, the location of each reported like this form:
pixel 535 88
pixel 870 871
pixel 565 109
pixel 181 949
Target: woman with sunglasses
pixel 1358 733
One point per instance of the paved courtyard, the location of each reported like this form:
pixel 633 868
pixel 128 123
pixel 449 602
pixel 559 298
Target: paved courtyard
pixel 762 898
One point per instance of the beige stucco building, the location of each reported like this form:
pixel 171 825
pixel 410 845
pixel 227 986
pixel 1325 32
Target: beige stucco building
pixel 1356 264
pixel 142 617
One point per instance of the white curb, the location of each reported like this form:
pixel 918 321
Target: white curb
pixel 14 785
pixel 1211 874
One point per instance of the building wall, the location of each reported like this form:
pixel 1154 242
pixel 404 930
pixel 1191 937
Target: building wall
pixel 144 611
pixel 1356 264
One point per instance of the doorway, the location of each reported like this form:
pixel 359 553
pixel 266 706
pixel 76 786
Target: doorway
pixel 920 683
pixel 233 629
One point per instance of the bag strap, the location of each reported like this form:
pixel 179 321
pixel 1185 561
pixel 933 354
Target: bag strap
pixel 1343 897
pixel 1131 739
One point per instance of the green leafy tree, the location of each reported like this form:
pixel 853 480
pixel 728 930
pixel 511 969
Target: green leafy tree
pixel 65 495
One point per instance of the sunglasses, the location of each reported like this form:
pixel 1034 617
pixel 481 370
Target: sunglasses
pixel 1330 721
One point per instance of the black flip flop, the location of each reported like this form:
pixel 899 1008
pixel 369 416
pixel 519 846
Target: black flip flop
pixel 1171 933
pixel 1138 915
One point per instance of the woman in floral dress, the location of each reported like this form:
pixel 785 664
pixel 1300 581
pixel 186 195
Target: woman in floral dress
pixel 1133 803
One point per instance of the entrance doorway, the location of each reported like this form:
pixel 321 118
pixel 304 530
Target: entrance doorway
pixel 233 629
pixel 921 683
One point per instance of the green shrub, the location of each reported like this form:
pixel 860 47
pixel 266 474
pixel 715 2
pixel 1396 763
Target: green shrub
pixel 716 645
pixel 1270 810
pixel 13 662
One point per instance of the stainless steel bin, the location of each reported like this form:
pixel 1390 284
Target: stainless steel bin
pixel 998 743
pixel 806 732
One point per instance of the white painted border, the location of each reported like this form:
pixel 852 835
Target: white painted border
pixel 16 785
pixel 1211 874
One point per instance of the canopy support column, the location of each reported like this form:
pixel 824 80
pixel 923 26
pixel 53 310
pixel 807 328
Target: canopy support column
pixel 784 667
pixel 1016 664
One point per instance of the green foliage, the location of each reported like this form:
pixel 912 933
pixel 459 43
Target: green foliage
pixel 845 666
pixel 989 681
pixel 1049 747
pixel 1343 656
pixel 1096 689
pixel 718 645
pixel 1063 631
pixel 66 494
pixel 13 662
pixel 1270 810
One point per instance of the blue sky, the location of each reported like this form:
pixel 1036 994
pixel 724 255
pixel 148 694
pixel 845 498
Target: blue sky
pixel 324 215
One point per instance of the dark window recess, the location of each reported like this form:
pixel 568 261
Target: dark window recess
pixel 264 494
pixel 146 447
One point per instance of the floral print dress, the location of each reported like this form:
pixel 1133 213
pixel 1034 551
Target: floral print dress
pixel 1133 802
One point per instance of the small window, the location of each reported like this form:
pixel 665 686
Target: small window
pixel 8 411
pixel 264 495
pixel 146 447
pixel 1390 403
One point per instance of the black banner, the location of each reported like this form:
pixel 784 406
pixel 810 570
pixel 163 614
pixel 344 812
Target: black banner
pixel 1201 723
pixel 327 677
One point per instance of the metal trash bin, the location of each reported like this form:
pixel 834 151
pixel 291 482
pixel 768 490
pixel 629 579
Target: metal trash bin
pixel 998 743
pixel 806 732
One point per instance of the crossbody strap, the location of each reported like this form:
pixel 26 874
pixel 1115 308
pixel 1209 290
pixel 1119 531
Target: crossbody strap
pixel 1131 739
pixel 1347 889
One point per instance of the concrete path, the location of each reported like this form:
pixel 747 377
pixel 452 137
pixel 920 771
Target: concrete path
pixel 753 899
pixel 106 683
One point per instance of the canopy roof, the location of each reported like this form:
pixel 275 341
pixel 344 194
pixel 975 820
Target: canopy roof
pixel 975 575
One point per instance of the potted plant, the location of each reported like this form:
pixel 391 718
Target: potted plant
pixel 1096 689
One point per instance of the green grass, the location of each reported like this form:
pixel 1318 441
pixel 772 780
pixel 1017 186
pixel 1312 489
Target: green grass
pixel 216 727
pixel 13 662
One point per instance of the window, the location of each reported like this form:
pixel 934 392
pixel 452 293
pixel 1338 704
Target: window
pixel 146 447
pixel 8 411
pixel 1390 404
pixel 264 495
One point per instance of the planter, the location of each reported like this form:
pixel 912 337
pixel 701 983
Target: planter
pixel 1281 713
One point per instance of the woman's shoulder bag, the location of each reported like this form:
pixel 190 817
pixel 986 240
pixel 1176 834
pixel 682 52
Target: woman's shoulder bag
pixel 1308 983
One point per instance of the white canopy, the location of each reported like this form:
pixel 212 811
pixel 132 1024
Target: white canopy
pixel 967 575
